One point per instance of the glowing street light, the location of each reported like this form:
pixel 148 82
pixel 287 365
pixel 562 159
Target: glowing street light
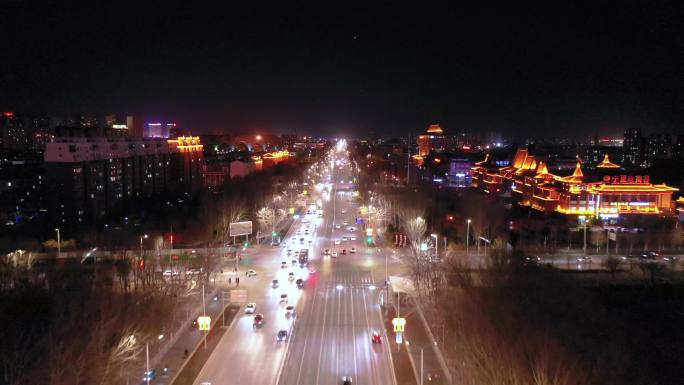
pixel 467 236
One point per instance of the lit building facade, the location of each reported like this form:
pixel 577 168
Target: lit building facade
pixel 608 193
pixel 92 178
pixel 432 139
pixel 633 147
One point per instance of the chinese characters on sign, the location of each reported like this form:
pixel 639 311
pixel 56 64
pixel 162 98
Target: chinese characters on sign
pixel 626 179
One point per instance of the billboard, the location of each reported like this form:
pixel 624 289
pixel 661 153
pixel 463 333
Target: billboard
pixel 240 228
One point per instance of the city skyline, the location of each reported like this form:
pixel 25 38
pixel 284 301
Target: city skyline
pixel 561 69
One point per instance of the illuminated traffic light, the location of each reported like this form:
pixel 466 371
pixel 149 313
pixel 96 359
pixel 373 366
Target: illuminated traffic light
pixel 141 264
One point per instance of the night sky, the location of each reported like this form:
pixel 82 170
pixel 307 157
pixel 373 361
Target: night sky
pixel 519 69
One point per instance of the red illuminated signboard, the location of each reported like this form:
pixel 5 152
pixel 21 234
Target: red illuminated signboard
pixel 627 179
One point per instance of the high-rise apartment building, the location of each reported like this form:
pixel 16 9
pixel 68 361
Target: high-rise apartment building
pixel 92 178
pixel 13 130
pixel 657 146
pixel 633 147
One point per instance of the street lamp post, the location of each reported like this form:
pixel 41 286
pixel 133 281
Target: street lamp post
pixel 436 244
pixel 467 236
pixel 584 249
pixel 422 375
pixel 204 313
pixel 147 363
pixel 143 236
pixel 59 244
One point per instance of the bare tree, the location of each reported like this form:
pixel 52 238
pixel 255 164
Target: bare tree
pixel 612 264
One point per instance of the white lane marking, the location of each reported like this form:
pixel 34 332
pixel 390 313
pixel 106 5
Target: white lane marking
pixel 306 340
pixel 368 328
pixel 353 323
pixel 320 351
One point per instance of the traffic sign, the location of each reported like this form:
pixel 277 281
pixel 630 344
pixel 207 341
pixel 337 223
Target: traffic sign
pixel 399 338
pixel 204 322
pixel 399 324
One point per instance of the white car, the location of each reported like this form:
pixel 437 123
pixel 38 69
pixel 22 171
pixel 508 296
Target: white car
pixel 289 310
pixel 250 308
pixel 345 223
pixel 337 226
pixel 352 250
pixel 352 238
pixel 251 273
pixel 337 241
pixel 326 252
pixel 345 238
pixel 334 254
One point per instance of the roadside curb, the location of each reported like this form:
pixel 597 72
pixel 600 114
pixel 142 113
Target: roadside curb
pixel 201 340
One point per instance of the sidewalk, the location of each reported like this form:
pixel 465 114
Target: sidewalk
pixel 406 357
pixel 400 357
pixel 186 337
pixel 198 355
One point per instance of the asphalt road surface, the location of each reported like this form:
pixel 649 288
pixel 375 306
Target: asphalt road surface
pixel 335 312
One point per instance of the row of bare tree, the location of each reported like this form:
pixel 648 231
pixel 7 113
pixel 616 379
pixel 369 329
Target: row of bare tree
pixel 69 324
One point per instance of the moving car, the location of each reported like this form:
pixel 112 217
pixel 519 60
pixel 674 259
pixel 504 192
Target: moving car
pixel 334 254
pixel 275 283
pixel 289 310
pixel 258 320
pixel 300 282
pixel 352 238
pixel 650 255
pixel 584 258
pixel 250 308
pixel 149 376
pixel 346 380
pixel 344 251
pixel 337 226
pixel 376 338
pixel 290 277
pixel 352 250
pixel 337 241
pixel 283 298
pixel 251 273
pixel 283 264
pixel 282 336
pixel 326 252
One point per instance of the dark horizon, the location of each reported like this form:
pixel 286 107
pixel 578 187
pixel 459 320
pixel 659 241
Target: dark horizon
pixel 547 71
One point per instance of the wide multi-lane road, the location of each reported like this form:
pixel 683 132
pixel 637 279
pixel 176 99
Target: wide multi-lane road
pixel 341 309
pixel 336 311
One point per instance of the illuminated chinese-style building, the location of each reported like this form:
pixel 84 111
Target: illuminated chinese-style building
pixel 272 158
pixel 431 139
pixel 607 192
